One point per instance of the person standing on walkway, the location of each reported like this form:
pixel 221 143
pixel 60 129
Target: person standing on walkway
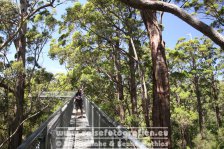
pixel 79 101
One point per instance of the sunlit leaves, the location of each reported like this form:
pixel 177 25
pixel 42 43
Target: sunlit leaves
pixel 212 10
pixel 42 76
pixel 50 21
pixel 183 117
pixel 8 19
pixel 18 66
pixel 38 17
pixel 195 62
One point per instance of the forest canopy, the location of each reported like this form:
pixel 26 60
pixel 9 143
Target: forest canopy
pixel 115 51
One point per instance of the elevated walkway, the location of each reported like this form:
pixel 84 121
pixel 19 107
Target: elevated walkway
pixel 78 135
pixel 66 129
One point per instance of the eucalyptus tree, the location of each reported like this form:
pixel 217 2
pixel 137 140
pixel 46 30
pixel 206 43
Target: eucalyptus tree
pixel 211 10
pixel 109 40
pixel 20 28
pixel 149 9
pixel 202 63
pixel 196 62
pixel 166 6
pixel 85 46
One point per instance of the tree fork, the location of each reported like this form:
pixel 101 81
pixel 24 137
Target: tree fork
pixel 20 44
pixel 214 35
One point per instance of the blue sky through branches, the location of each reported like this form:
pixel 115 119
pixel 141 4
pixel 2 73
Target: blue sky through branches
pixel 174 28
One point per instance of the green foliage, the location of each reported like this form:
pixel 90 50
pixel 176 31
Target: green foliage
pixel 88 35
pixel 94 39
pixel 184 118
pixel 24 66
pixel 196 58
pixel 17 67
pixel 8 11
pixel 86 45
pixel 132 120
pixel 42 76
pixel 38 18
pixel 50 21
pixel 210 9
pixel 30 59
pixel 220 138
pixel 208 142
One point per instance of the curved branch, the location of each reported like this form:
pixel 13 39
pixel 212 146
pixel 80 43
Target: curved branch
pixel 23 20
pixel 180 13
pixel 3 45
pixel 39 8
pixel 7 139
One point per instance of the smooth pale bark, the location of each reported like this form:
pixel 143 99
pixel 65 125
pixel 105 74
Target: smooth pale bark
pixel 132 80
pixel 145 97
pixel 180 13
pixel 161 90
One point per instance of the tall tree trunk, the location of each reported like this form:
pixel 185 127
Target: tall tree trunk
pixel 215 93
pixel 20 44
pixel 133 90
pixel 215 97
pixel 183 140
pixel 198 95
pixel 199 104
pixel 119 82
pixel 161 90
pixel 145 97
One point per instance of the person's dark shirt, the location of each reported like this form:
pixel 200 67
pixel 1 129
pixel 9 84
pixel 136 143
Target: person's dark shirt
pixel 78 96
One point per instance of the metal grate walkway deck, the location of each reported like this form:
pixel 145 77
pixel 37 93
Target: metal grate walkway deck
pixel 79 134
pixel 83 138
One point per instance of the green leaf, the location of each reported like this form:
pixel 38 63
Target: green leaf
pixel 37 18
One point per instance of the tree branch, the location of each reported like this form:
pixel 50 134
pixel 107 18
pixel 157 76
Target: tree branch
pixel 180 13
pixel 7 139
pixel 39 8
pixel 23 20
pixel 12 36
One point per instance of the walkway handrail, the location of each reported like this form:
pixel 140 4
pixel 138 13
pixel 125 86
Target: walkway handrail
pixel 40 137
pixel 132 139
pixel 44 136
pixel 94 114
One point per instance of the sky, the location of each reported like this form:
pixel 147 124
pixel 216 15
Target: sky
pixel 174 28
pixel 54 66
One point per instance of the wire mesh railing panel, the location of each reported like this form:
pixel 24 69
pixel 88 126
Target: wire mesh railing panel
pixel 106 132
pixel 67 94
pixel 44 136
